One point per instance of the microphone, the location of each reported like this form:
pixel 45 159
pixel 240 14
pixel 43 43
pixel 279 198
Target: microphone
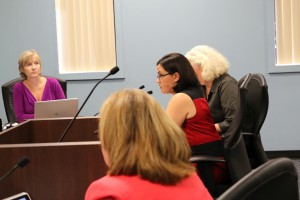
pixel 142 87
pixel 21 163
pixel 112 72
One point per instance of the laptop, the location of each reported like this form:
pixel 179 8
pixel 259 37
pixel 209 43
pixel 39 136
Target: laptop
pixel 56 108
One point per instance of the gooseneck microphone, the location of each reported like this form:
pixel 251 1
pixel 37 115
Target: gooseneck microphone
pixel 112 72
pixel 21 163
pixel 141 87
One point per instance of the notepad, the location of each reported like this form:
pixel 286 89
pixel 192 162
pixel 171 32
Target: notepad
pixel 56 108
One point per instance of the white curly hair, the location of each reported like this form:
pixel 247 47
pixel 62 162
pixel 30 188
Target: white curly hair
pixel 212 63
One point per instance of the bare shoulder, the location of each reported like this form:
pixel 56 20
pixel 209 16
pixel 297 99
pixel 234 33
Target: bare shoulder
pixel 180 99
pixel 181 107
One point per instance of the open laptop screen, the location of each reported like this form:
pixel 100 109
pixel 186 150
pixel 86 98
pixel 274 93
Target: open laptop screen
pixel 56 108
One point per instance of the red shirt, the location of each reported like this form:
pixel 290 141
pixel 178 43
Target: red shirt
pixel 201 129
pixel 135 188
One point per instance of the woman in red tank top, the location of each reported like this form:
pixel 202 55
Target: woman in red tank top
pixel 188 106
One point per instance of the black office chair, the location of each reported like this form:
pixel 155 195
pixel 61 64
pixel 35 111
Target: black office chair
pixel 235 153
pixel 256 112
pixel 276 179
pixel 7 91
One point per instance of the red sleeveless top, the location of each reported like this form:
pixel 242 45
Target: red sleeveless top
pixel 201 129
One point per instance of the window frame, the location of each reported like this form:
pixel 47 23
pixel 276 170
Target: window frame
pixel 118 47
pixel 270 43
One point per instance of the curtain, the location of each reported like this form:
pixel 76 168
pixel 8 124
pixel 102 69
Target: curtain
pixel 288 31
pixel 85 35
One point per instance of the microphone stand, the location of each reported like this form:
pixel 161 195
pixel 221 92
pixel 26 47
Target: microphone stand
pixel 112 71
pixel 141 87
pixel 21 163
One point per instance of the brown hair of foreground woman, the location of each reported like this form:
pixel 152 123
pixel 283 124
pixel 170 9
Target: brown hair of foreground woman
pixel 147 154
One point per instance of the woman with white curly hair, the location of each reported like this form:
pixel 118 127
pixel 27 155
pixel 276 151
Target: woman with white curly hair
pixel 221 89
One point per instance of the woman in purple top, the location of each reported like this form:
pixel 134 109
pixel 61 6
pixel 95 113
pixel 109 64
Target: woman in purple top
pixel 34 87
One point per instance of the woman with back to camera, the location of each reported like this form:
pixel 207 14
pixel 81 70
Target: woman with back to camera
pixel 146 152
pixel 220 88
pixel 34 87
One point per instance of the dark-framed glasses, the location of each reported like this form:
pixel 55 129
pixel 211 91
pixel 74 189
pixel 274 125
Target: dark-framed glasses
pixel 162 75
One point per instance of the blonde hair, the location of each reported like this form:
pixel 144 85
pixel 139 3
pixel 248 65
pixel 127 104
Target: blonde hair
pixel 212 63
pixel 142 140
pixel 25 58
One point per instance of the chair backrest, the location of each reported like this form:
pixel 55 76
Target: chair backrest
pixel 257 109
pixel 257 102
pixel 276 179
pixel 234 147
pixel 7 94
